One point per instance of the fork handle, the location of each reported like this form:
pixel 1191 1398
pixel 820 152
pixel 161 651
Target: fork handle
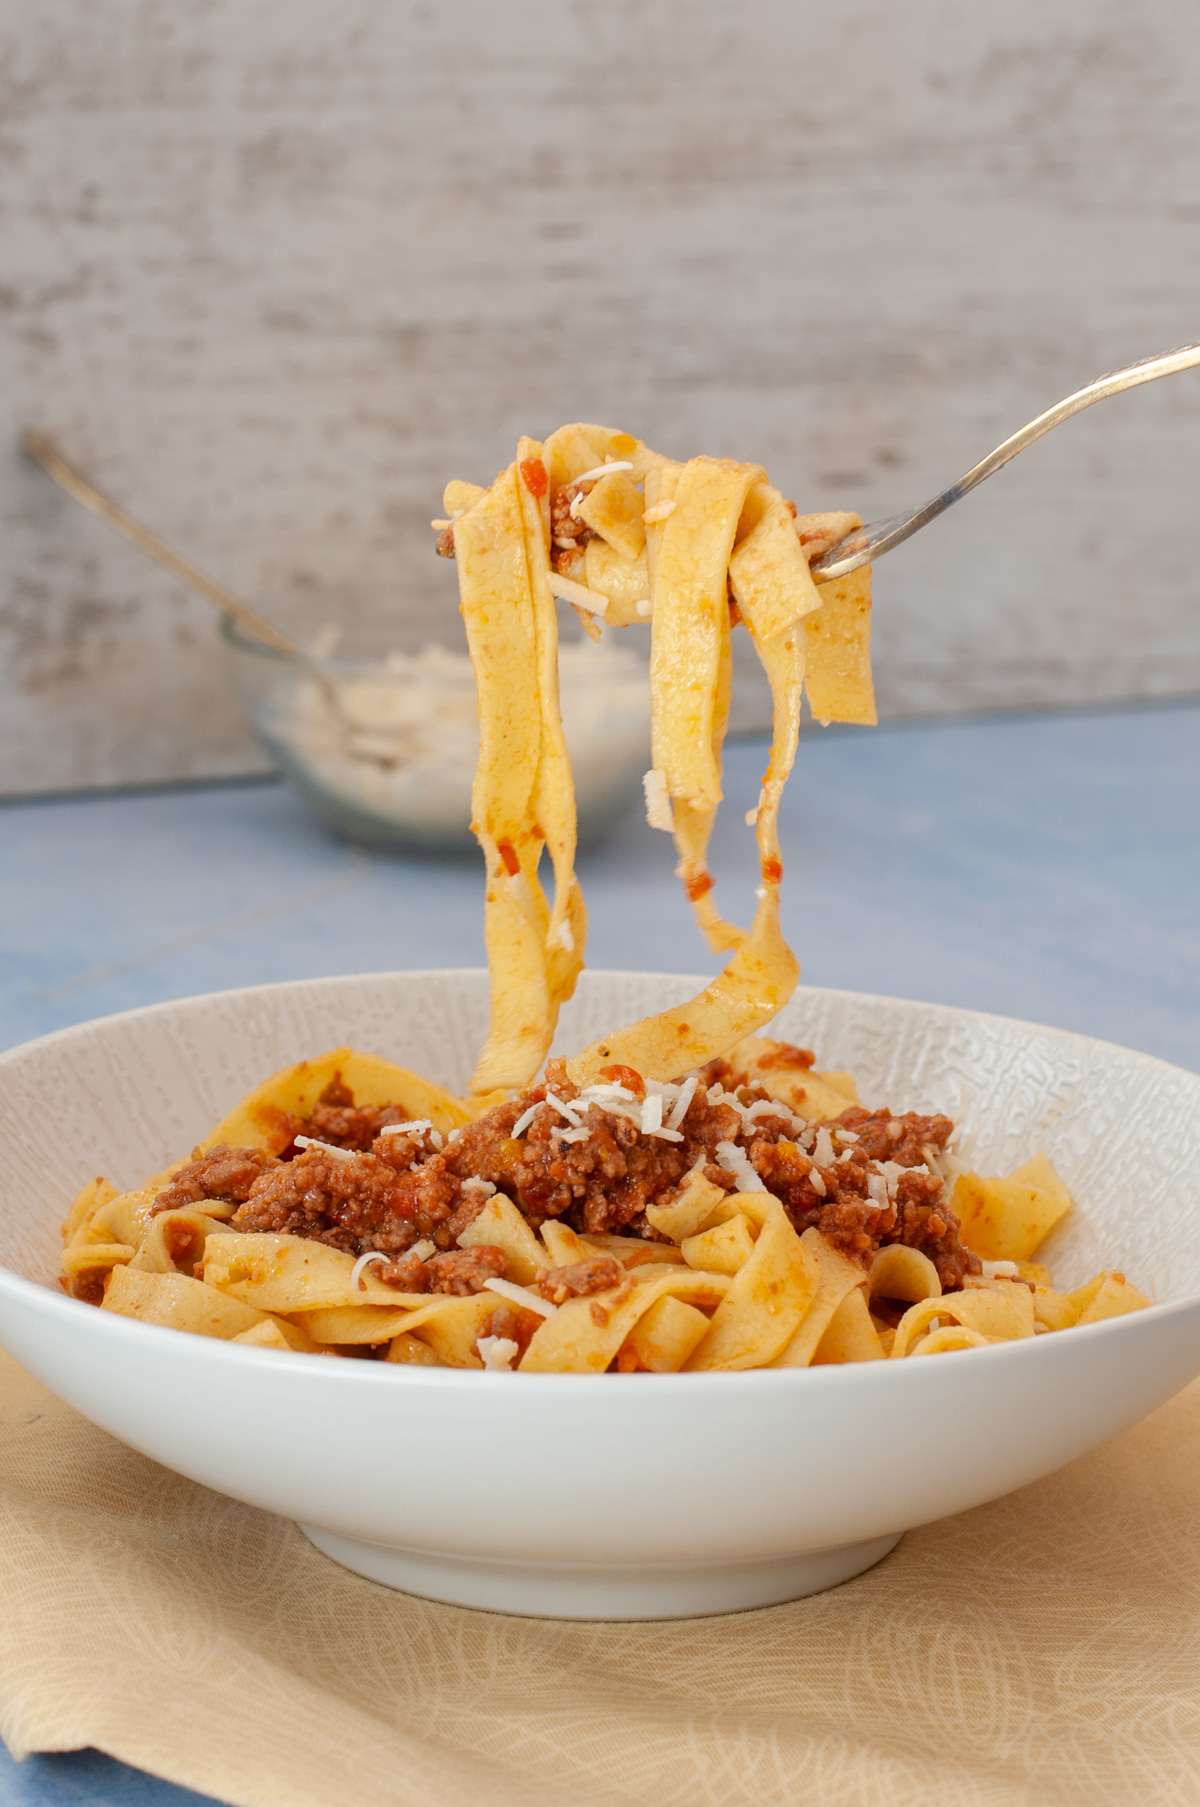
pixel 870 543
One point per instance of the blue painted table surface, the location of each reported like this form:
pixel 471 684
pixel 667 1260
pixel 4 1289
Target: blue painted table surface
pixel 1042 866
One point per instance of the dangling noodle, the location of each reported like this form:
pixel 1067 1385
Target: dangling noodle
pixel 699 541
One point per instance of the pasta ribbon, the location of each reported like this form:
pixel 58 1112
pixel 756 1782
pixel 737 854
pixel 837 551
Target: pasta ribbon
pixel 523 799
pixel 693 542
pixel 768 1298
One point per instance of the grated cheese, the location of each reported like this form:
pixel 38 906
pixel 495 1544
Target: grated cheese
pixel 734 1160
pixel 765 1107
pixel 823 1147
pixel 343 1154
pixel 687 1092
pixel 521 1295
pixel 361 1265
pixel 572 1116
pixel 416 1127
pixel 570 591
pixel 659 813
pixel 817 1183
pixel 497 1352
pixel 604 470
pixel 423 1249
pixel 524 1120
pixel 658 513
pixel 1005 1270
pixel 652 1113
pixel 643 606
pixel 562 937
pixel 484 1186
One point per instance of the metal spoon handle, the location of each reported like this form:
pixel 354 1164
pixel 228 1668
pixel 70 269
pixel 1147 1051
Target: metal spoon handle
pixel 45 453
pixel 869 543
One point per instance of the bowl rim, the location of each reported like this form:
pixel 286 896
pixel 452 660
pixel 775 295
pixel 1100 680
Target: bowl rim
pixel 31 1293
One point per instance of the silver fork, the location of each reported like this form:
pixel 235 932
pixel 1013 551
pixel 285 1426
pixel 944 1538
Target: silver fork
pixel 866 544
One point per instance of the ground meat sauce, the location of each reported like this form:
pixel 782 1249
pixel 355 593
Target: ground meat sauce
pixel 596 1274
pixel 568 534
pixel 462 1271
pixel 222 1173
pixel 900 1139
pixel 866 1179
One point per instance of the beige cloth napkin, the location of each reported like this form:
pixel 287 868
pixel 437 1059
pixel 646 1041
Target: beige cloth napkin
pixel 1041 1650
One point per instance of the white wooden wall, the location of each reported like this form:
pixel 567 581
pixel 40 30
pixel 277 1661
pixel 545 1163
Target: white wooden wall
pixel 272 272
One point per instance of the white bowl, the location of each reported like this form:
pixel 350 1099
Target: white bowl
pixel 606 1496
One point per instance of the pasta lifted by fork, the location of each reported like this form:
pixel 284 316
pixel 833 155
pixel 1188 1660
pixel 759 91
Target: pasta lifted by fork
pixel 695 548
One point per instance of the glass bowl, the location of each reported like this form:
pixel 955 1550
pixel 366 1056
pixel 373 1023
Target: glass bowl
pixel 383 747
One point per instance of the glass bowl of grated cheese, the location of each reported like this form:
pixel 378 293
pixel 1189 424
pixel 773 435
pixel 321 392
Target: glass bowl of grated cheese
pixel 382 744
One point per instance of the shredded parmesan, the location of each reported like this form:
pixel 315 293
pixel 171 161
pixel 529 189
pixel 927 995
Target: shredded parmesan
pixel 423 1249
pixel 1006 1270
pixel 643 606
pixel 652 1113
pixel 817 1183
pixel 765 1107
pixel 604 470
pixel 484 1186
pixel 846 1135
pixel 562 937
pixel 440 526
pixel 823 1148
pixel 602 1092
pixel 734 1160
pixel 579 1134
pixel 343 1154
pixel 497 1352
pixel 521 1295
pixel 572 1116
pixel 658 801
pixel 416 1127
pixel 752 817
pixel 570 591
pixel 659 513
pixel 360 1267
pixel 877 1188
pixel 524 1120
pixel 687 1092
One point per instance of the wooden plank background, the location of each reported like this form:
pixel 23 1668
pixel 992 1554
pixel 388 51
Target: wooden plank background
pixel 271 273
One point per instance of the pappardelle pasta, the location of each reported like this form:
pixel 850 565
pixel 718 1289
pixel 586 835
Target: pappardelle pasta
pixel 753 1215
pixel 684 1194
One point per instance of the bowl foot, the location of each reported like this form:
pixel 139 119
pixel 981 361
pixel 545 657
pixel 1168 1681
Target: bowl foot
pixel 596 1590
